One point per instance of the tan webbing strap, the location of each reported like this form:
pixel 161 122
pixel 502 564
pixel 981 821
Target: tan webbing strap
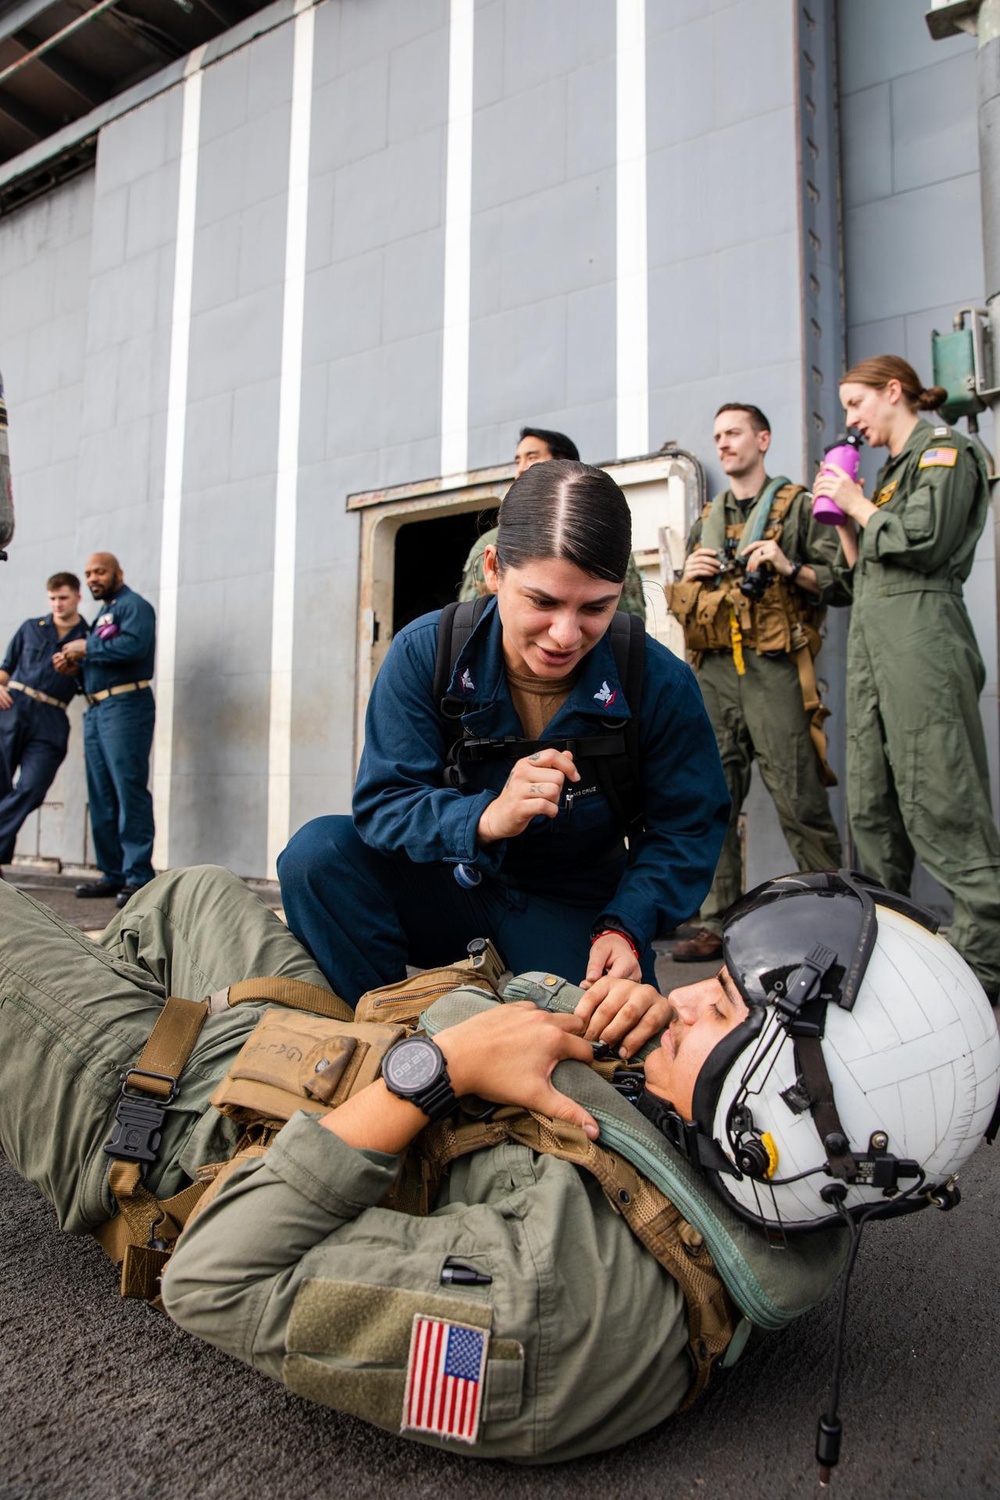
pixel 170 1044
pixel 649 1213
pixel 294 994
pixel 144 1227
pixel 813 704
pixel 143 1234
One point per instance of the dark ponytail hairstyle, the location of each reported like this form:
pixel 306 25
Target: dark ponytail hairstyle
pixel 569 511
pixel 881 368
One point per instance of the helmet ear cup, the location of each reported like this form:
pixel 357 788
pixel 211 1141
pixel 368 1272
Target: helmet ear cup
pixel 754 1151
pixel 753 1158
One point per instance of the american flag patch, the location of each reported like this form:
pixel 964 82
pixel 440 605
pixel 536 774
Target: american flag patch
pixel 938 458
pixel 444 1379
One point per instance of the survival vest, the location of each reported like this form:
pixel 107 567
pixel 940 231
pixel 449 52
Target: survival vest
pixel 614 752
pixel 732 1278
pixel 717 617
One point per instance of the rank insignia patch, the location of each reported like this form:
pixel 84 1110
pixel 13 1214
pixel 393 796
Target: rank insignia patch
pixel 886 492
pixel 939 458
pixel 445 1375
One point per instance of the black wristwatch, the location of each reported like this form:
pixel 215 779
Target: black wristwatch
pixel 793 575
pixel 416 1070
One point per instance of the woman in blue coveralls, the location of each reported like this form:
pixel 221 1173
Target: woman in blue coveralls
pixel 529 850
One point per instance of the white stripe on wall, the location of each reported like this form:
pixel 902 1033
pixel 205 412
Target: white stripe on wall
pixel 632 298
pixel 173 465
pixel 457 244
pixel 279 759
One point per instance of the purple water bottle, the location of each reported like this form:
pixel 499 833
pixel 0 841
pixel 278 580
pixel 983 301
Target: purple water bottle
pixel 846 454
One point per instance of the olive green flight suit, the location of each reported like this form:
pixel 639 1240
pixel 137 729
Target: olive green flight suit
pixel 293 1267
pixel 474 583
pixel 760 716
pixel 917 774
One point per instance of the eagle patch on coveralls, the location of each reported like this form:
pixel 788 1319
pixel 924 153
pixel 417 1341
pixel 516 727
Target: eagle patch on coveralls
pixel 444 1379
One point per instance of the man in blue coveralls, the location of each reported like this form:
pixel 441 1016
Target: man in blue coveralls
pixel 116 661
pixel 34 727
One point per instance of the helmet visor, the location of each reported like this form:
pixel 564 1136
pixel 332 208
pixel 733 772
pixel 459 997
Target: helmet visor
pixel 769 932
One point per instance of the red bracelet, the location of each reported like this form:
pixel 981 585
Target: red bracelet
pixel 618 933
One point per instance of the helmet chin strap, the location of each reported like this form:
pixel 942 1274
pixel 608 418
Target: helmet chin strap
pixel 700 1150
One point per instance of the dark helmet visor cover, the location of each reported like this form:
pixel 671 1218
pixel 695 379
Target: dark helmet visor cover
pixel 770 932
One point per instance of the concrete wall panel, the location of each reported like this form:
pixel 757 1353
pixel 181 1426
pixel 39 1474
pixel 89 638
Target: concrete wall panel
pixel 86 309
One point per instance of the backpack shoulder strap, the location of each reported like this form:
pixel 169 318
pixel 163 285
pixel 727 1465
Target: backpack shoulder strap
pixel 457 622
pixel 621 775
pixel 784 498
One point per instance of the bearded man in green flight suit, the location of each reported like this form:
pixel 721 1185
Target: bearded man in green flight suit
pixel 754 652
pixel 539 446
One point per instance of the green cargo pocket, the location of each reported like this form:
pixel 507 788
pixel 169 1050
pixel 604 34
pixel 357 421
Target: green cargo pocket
pixel 348 1345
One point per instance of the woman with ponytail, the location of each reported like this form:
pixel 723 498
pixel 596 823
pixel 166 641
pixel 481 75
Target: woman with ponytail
pixel 485 813
pixel 917 772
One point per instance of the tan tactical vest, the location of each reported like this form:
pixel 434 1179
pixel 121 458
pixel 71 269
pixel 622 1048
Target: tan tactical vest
pixel 784 620
pixel 295 1060
pixel 721 618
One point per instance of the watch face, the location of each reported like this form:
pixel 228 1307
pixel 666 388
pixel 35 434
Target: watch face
pixel 411 1065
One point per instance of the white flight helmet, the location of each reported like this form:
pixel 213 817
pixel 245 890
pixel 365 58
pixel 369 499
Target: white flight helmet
pixel 869 1067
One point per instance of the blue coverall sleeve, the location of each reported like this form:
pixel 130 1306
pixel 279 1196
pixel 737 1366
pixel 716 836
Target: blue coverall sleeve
pixel 13 653
pixel 686 805
pixel 136 638
pixel 400 806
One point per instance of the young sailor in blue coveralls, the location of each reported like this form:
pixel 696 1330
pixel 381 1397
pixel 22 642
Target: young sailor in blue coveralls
pixel 34 728
pixel 524 842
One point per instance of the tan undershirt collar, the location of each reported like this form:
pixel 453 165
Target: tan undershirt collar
pixel 538 700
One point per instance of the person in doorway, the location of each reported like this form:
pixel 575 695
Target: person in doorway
pixel 758 575
pixel 34 697
pixel 502 811
pixel 116 663
pixel 538 445
pixel 917 772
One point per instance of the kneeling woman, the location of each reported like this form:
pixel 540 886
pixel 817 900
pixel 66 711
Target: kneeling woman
pixel 528 845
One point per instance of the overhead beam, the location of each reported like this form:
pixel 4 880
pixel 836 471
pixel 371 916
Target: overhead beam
pixel 131 28
pixel 78 80
pixel 227 15
pixel 26 118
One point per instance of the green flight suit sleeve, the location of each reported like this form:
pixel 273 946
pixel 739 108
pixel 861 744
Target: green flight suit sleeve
pixel 807 541
pixel 925 523
pixel 294 1268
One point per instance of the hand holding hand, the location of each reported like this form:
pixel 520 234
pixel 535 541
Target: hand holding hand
pixel 65 663
pixel 533 787
pixel 507 1055
pixel 623 1014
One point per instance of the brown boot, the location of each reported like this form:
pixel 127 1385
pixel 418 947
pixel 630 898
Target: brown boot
pixel 700 949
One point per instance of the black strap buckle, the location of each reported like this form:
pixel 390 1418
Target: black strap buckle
pixel 139 1119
